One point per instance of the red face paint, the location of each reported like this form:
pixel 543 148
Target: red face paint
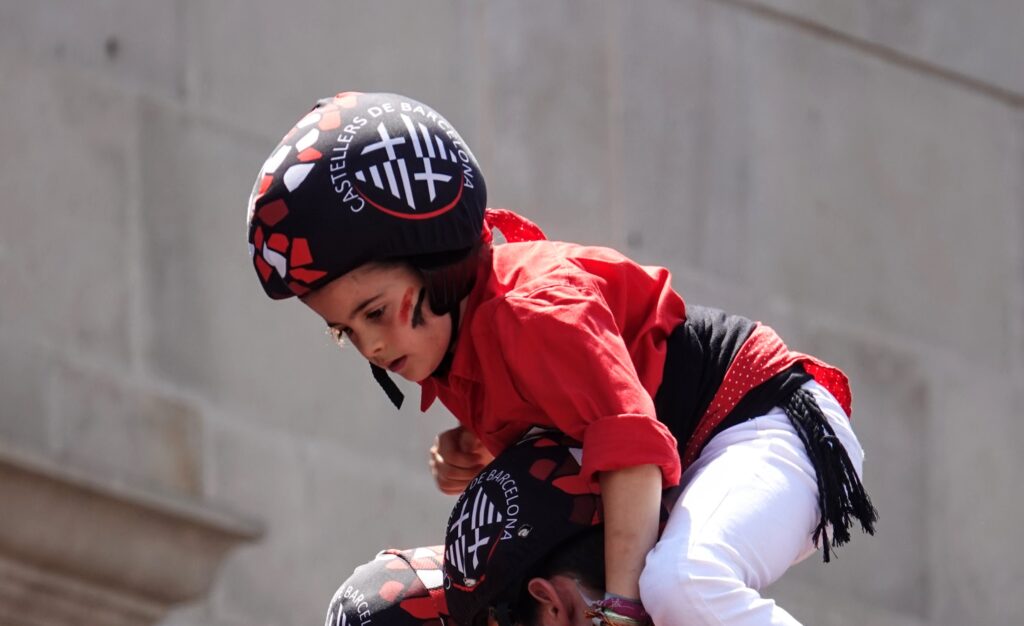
pixel 405 312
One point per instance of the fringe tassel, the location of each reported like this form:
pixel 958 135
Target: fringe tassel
pixel 841 496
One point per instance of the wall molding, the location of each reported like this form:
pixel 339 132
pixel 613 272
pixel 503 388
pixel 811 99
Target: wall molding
pixel 75 549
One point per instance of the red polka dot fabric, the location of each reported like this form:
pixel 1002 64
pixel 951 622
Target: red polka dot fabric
pixel 761 357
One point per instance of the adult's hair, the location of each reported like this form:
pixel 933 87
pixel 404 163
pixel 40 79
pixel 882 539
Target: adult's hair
pixel 580 557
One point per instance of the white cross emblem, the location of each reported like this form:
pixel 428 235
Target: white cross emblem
pixel 386 143
pixel 430 177
pixel 480 542
pixel 462 518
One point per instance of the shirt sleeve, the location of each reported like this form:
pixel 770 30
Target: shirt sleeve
pixel 567 358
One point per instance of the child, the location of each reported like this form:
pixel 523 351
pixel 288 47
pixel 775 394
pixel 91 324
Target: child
pixel 372 211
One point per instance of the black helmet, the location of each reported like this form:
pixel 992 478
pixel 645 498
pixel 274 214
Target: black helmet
pixel 529 500
pixel 363 177
pixel 397 588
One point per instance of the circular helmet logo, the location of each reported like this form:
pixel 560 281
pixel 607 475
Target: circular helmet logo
pixel 486 514
pixel 400 157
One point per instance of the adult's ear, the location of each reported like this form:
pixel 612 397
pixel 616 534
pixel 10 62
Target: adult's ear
pixel 551 610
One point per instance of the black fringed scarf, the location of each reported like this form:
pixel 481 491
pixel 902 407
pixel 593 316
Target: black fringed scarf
pixel 841 496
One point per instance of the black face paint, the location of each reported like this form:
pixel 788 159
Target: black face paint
pixel 417 312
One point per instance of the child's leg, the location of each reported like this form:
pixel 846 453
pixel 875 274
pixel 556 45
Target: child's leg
pixel 746 514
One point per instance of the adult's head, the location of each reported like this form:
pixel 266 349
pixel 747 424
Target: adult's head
pixel 561 588
pixel 524 542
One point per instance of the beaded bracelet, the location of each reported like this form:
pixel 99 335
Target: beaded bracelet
pixel 619 611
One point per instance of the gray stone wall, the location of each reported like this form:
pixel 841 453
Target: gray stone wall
pixel 849 172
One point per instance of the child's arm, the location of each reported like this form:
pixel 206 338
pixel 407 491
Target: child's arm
pixel 632 504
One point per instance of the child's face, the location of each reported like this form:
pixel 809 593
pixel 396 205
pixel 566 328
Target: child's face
pixel 374 306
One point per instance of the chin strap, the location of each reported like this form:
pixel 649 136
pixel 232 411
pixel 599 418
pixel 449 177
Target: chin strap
pixel 390 388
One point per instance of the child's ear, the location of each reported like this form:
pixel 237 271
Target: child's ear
pixel 550 609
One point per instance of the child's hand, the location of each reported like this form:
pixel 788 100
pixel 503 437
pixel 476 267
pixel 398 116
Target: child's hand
pixel 456 457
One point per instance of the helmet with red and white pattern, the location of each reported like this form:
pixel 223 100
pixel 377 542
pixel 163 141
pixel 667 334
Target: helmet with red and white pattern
pixel 527 504
pixel 362 177
pixel 396 588
pixel 523 505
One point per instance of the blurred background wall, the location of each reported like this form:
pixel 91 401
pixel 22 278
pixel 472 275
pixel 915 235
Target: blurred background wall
pixel 849 171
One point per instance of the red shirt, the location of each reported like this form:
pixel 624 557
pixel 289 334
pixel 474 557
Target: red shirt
pixel 574 337
pixel 571 337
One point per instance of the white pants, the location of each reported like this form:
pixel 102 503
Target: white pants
pixel 746 514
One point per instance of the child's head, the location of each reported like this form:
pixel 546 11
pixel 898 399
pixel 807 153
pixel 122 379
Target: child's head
pixel 369 181
pixel 381 308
